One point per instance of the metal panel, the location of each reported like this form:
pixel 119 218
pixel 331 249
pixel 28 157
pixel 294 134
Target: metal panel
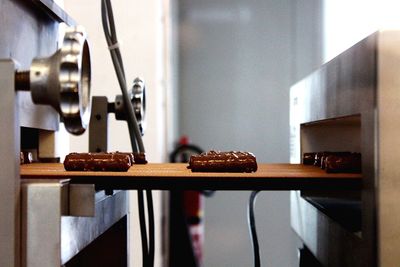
pixel 25 33
pixel 82 200
pixel 78 232
pixel 345 86
pixel 98 131
pixel 331 243
pixel 43 203
pixel 388 148
pixel 49 212
pixel 54 11
pixel 9 168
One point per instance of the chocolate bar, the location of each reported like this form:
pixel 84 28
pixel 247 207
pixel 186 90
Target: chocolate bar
pixel 335 162
pixel 117 162
pixel 309 158
pixel 136 157
pixel 345 163
pixel 326 154
pixel 318 158
pixel 215 161
pixel 139 158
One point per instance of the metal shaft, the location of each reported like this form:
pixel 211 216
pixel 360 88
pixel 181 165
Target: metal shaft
pixel 22 80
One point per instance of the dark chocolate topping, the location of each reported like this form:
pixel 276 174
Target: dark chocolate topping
pixel 136 157
pixel 97 162
pixel 140 158
pixel 335 162
pixel 346 163
pixel 233 161
pixel 309 158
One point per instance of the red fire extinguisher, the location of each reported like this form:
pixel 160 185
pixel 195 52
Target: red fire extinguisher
pixel 193 201
pixel 193 207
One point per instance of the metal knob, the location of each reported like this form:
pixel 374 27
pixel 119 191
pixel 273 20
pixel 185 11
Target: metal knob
pixel 63 80
pixel 138 100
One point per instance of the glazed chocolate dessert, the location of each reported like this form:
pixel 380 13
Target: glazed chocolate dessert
pixel 214 161
pixel 135 157
pixel 309 158
pixel 335 162
pixel 139 158
pixel 118 162
pixel 318 158
pixel 345 163
pixel 326 154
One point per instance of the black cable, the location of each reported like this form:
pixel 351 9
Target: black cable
pixel 134 131
pixel 150 212
pixel 252 229
pixel 143 231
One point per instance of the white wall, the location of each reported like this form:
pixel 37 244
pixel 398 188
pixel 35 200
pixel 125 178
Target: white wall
pixel 140 30
pixel 347 22
pixel 238 60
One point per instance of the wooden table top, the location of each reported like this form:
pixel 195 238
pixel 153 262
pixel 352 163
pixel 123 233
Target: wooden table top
pixel 170 176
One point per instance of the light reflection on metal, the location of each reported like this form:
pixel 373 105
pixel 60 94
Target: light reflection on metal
pixel 63 80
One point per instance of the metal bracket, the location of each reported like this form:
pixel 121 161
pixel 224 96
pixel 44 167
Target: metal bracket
pixel 98 131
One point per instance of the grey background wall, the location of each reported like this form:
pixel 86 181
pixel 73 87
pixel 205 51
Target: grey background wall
pixel 237 61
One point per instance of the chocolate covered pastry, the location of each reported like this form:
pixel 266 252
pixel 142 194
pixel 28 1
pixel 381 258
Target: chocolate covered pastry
pixel 345 163
pixel 97 162
pixel 214 161
pixel 139 158
pixel 335 162
pixel 136 157
pixel 326 154
pixel 309 158
pixel 317 160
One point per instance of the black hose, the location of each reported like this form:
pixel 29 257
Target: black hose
pixel 252 229
pixel 143 231
pixel 134 131
pixel 150 212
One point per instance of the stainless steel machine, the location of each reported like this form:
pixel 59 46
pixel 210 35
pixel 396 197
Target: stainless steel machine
pixel 44 80
pixel 351 104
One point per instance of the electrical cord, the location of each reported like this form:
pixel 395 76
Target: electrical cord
pixel 143 232
pixel 108 25
pixel 134 131
pixel 150 212
pixel 252 229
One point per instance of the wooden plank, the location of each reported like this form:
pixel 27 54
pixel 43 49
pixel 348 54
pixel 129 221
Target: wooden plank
pixel 176 175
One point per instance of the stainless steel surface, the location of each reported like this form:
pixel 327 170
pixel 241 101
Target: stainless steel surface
pixel 387 148
pixel 42 205
pixel 54 11
pixel 55 223
pixel 82 200
pixel 9 168
pixel 138 100
pixel 98 127
pixel 63 80
pixel 78 232
pixel 37 37
pixel 363 83
pixel 31 223
pixel 331 243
